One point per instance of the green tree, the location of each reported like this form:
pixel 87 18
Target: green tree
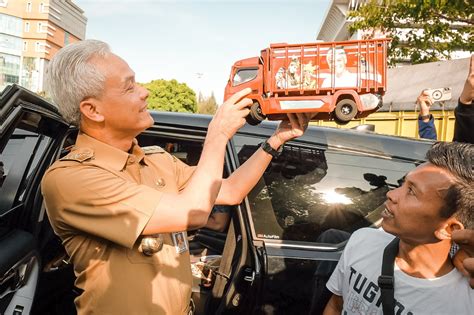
pixel 171 96
pixel 421 30
pixel 207 105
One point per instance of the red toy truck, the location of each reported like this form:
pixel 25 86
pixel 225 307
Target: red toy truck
pixel 339 80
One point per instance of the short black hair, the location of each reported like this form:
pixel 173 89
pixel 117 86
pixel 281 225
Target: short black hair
pixel 457 158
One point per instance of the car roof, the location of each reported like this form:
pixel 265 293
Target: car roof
pixel 342 139
pixel 367 142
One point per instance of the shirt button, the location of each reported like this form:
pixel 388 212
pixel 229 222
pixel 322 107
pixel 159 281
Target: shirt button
pixel 131 160
pixel 160 182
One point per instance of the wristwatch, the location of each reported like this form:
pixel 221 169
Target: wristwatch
pixel 268 148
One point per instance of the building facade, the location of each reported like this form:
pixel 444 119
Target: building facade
pixel 31 32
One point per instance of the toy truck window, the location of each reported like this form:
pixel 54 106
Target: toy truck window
pixel 244 75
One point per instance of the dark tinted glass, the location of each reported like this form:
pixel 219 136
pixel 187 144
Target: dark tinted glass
pixel 310 190
pixel 18 161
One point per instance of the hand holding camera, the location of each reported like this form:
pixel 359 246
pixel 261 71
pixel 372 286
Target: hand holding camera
pixel 428 97
pixel 439 94
pixel 424 101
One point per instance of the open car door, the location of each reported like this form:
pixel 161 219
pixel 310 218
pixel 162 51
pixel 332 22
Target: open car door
pixel 31 133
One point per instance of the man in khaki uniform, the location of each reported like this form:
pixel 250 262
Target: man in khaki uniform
pixel 119 208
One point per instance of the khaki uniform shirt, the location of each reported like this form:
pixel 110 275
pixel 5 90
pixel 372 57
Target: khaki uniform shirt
pixel 99 199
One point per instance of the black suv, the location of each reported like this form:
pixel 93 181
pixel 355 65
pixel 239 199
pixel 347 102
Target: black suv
pixel 282 242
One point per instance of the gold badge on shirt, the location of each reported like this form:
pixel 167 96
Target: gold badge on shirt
pixel 180 242
pixel 161 182
pixel 151 244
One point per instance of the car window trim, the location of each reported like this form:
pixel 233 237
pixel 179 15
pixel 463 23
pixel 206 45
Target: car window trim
pixel 306 246
pixel 305 254
pixel 8 122
pixel 381 155
pixel 175 134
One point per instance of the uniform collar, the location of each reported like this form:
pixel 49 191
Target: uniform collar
pixel 108 156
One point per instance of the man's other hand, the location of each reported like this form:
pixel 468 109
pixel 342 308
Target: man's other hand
pixel 424 101
pixel 467 94
pixel 464 258
pixel 290 128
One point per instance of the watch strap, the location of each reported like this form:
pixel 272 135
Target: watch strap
pixel 268 148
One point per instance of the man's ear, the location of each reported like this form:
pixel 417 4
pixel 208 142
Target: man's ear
pixel 445 231
pixel 90 108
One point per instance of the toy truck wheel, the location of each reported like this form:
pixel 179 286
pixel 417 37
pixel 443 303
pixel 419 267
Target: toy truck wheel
pixel 345 110
pixel 255 116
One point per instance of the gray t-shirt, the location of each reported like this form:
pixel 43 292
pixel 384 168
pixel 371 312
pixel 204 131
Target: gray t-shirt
pixel 356 274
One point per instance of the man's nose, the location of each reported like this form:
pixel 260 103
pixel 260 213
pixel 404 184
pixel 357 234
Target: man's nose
pixel 145 93
pixel 392 194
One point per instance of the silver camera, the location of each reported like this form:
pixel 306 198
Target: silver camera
pixel 439 94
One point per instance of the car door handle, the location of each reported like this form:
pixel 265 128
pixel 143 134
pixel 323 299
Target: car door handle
pixel 16 277
pixel 8 283
pixel 10 274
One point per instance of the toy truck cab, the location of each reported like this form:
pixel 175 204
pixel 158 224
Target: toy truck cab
pixel 338 80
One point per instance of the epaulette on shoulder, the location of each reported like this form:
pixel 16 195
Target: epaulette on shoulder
pixel 153 149
pixel 79 155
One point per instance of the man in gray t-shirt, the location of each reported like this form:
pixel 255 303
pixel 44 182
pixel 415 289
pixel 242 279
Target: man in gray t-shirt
pixel 434 200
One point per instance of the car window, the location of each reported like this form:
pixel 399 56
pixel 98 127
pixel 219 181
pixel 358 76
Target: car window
pixel 309 191
pixel 187 151
pixel 18 161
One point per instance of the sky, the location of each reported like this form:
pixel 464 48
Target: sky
pixel 197 41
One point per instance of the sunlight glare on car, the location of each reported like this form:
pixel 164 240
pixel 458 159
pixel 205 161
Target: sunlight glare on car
pixel 333 197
